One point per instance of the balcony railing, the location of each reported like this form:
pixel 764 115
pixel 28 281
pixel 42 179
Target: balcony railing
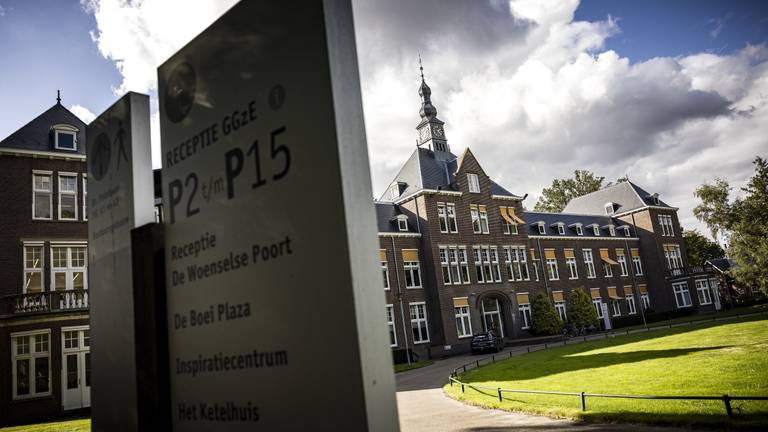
pixel 48 301
pixel 689 271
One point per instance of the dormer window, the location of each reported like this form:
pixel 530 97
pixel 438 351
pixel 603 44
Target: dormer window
pixel 402 223
pixel 65 137
pixel 596 230
pixel 560 228
pixel 394 191
pixel 612 230
pixel 579 230
pixel 542 228
pixel 474 183
pixel 609 208
pixel 627 233
pixel 654 199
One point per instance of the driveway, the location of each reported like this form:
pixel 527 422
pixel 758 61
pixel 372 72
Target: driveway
pixel 423 407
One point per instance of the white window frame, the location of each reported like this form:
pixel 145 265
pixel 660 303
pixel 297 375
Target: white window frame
pixel 49 191
pixel 525 315
pixel 36 269
pixel 542 228
pixel 627 231
pixel 442 217
pixel 609 208
pixel 509 228
pixel 638 266
pixel 402 223
pixel 645 299
pixel 473 182
pixel 69 269
pixel 579 230
pixel 495 269
pixel 612 230
pixel 463 264
pixel 596 230
pixel 552 272
pixel 561 229
pixel 682 295
pixel 572 268
pixel 85 196
pixel 674 257
pixel 412 269
pixel 385 274
pixel 598 304
pixel 517 263
pixel 391 325
pixel 560 307
pixel 484 227
pixel 607 269
pixel 61 176
pixel 445 265
pixel 623 265
pixel 667 228
pixel 474 213
pixel 589 262
pixel 706 298
pixel 418 321
pixel 31 354
pixel 463 321
pixel 67 130
pixel 450 209
pixel 631 307
pixel 616 308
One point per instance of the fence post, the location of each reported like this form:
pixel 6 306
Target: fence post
pixel 585 338
pixel 477 363
pixel 465 368
pixel 727 401
pixel 583 402
pixel 499 389
pixel 528 348
pixel 545 345
pixel 493 358
pixel 462 387
pixel 510 354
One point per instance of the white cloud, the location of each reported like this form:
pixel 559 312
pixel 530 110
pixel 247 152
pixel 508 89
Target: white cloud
pixel 82 113
pixel 2 11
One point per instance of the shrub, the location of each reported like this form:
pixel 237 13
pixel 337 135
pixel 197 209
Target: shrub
pixel 580 310
pixel 546 320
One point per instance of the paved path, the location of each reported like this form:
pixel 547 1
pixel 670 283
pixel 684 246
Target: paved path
pixel 423 407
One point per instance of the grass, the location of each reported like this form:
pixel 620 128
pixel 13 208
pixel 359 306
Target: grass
pixel 704 316
pixel 414 365
pixel 707 360
pixel 80 425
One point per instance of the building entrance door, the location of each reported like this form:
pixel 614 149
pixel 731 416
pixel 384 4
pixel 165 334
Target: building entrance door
pixel 76 367
pixel 492 316
pixel 714 286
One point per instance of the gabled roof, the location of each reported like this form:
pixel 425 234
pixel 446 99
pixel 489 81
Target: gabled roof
pixel 423 170
pixel 570 220
pixel 627 195
pixel 722 264
pixel 36 135
pixel 386 218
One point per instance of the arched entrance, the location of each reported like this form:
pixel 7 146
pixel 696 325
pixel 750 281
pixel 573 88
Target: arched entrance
pixel 494 314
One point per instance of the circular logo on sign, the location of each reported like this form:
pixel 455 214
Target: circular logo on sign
pixel 102 153
pixel 180 92
pixel 276 97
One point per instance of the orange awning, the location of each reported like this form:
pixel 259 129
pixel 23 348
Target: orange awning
pixel 557 296
pixel 604 255
pixel 410 255
pixel 460 302
pixel 522 298
pixel 595 293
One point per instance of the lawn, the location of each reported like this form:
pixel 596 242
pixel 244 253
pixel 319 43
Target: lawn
pixel 708 360
pixel 80 425
pixel 723 314
pixel 414 365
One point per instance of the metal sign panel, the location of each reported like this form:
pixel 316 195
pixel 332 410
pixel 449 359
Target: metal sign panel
pixel 276 310
pixel 120 198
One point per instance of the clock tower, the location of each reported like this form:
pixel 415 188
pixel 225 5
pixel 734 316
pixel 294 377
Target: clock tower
pixel 430 128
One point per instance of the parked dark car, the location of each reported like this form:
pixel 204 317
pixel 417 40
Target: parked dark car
pixel 486 341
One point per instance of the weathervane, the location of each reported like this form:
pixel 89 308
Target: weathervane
pixel 421 68
pixel 58 97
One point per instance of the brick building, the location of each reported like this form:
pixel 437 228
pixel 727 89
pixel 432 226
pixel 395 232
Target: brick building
pixel 44 332
pixel 460 255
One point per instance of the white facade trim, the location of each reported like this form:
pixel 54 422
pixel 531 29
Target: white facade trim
pixel 41 154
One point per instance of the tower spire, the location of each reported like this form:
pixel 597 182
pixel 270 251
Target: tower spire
pixel 58 97
pixel 430 128
pixel 421 68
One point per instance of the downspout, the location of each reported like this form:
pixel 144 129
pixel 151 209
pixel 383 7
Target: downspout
pixel 632 268
pixel 400 299
pixel 544 268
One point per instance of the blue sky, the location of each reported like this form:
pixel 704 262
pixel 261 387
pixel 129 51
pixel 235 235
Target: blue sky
pixel 661 91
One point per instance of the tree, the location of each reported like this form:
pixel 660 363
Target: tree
pixel 546 320
pixel 580 310
pixel 744 221
pixel 700 249
pixel 554 198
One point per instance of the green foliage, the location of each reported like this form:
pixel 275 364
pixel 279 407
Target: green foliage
pixel 744 221
pixel 554 198
pixel 546 320
pixel 580 310
pixel 700 249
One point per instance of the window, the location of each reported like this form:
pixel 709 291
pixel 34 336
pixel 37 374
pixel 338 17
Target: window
pixel 67 196
pixel 609 208
pixel 627 231
pixel 636 261
pixel 509 228
pixel 394 192
pixel 607 270
pixel 674 258
pixel 30 357
pixel 596 230
pixel 665 221
pixel 646 300
pixel 622 262
pixel 464 263
pixel 474 183
pixel 384 268
pixel 598 307
pixel 525 315
pixel 412 274
pixel 682 295
pixel 517 264
pixel 612 230
pixel 589 262
pixel 535 265
pixel 68 268
pixel 486 264
pixel 42 196
pixel 570 262
pixel 454 265
pixel 561 229
pixel 655 199
pixel 579 230
pixel 463 321
pixel 494 255
pixel 702 287
pixel 631 304
pixel 391 326
pixel 33 269
pixel 419 322
pixel 542 228
pixel 560 307
pixel 552 272
pixel 85 197
pixel 479 219
pixel 402 223
pixel 616 308
pixel 445 265
pixel 446 214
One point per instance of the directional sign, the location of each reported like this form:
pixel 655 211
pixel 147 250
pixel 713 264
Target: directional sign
pixel 276 310
pixel 120 198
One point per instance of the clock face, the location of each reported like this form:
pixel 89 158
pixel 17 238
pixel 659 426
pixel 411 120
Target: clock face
pixel 437 131
pixel 423 134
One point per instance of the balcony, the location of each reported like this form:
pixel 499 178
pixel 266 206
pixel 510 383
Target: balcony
pixel 684 272
pixel 45 302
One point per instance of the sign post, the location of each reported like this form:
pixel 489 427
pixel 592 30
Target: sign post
pixel 275 305
pixel 120 198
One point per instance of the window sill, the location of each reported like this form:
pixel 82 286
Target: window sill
pixel 465 337
pixel 420 343
pixel 23 399
pixel 413 288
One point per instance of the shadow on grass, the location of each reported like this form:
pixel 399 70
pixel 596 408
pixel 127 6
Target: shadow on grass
pixel 569 363
pixel 748 421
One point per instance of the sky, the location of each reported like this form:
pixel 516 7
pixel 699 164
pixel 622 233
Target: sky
pixel 670 93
